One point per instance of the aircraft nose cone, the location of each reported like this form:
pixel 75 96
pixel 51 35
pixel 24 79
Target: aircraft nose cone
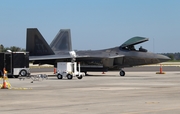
pixel 163 58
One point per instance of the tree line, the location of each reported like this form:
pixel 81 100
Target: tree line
pixel 12 48
pixel 172 56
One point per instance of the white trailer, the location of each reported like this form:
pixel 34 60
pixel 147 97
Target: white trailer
pixel 69 70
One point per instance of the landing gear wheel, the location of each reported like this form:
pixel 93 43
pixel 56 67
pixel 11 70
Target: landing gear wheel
pixel 122 73
pixel 69 76
pixel 80 77
pixel 59 76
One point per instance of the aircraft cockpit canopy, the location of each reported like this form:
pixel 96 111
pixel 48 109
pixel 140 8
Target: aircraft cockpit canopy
pixel 129 44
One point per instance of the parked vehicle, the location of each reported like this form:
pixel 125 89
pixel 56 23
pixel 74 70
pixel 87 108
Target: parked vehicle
pixel 15 63
pixel 68 70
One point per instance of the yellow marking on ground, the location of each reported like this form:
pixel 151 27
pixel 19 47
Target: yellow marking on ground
pixel 16 88
pixel 10 87
pixel 160 73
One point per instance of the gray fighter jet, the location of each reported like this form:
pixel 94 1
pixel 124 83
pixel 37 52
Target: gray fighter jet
pixel 118 57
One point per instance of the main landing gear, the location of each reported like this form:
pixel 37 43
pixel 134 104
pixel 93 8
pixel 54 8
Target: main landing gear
pixel 122 72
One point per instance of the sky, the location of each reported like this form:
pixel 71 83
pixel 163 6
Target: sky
pixel 94 24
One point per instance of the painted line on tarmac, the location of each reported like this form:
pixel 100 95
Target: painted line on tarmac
pixel 14 88
pixel 152 111
pixel 17 88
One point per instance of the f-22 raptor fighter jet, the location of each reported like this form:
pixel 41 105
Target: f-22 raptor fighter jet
pixel 60 50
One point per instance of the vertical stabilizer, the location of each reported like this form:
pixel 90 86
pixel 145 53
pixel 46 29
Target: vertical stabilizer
pixel 62 41
pixel 36 45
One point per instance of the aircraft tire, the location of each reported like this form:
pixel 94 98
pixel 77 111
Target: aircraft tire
pixel 59 76
pixel 69 76
pixel 122 73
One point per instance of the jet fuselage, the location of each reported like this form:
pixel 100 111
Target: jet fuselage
pixel 130 57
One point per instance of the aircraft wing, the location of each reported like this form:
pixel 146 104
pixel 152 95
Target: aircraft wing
pixel 116 56
pixel 48 57
pixel 65 57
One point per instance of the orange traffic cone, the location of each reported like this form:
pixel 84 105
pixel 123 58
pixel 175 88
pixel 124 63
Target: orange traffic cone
pixel 4 86
pixel 160 70
pixel 54 70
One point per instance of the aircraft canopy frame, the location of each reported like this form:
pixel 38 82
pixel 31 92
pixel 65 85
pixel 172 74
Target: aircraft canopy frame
pixel 134 41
